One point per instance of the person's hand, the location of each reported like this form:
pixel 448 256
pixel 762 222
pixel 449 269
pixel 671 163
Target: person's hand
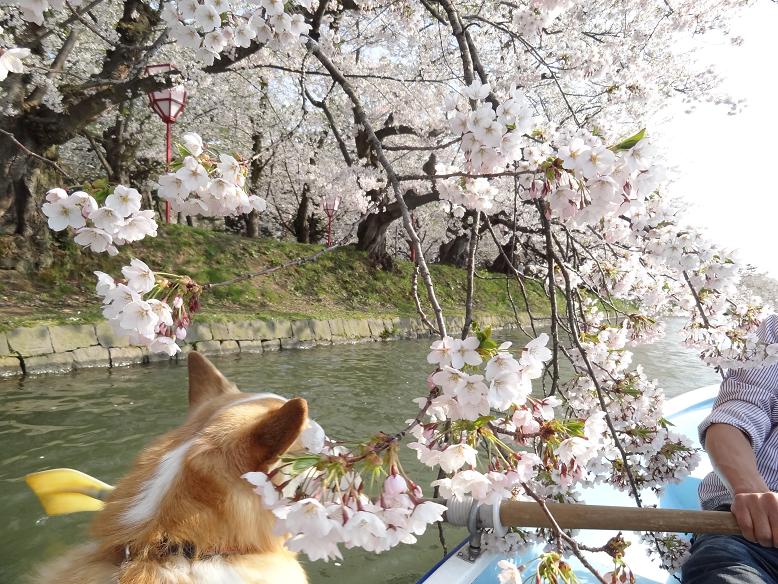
pixel 757 517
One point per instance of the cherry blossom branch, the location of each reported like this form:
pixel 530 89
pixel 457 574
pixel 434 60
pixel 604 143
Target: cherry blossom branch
pixel 322 105
pixel 517 276
pixel 464 49
pixel 551 297
pixel 701 310
pixel 369 76
pixel 37 156
pixel 507 173
pixel 64 23
pixel 100 156
pixel 36 97
pixel 537 55
pixel 575 336
pixel 419 309
pixel 89 25
pixel 424 148
pixel 560 534
pixel 361 117
pixel 474 236
pixel 697 300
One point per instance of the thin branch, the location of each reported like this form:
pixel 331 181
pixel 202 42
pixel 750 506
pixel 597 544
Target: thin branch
pixel 576 549
pixel 103 161
pixel 474 236
pixel 419 309
pixel 425 148
pixel 361 117
pixel 574 335
pixel 412 177
pixel 37 156
pixel 552 298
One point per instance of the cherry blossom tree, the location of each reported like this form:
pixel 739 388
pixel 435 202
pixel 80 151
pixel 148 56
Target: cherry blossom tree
pixel 515 123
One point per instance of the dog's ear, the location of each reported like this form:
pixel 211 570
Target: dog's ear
pixel 205 381
pixel 277 430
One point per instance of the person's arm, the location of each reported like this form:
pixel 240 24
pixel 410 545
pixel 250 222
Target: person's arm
pixel 733 435
pixel 754 506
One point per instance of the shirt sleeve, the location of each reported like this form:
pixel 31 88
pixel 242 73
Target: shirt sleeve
pixel 747 397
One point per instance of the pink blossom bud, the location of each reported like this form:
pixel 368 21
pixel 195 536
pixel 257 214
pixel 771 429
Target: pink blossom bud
pixel 180 333
pixel 430 384
pixel 395 485
pixel 178 302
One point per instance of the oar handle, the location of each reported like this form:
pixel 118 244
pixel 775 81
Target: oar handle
pixel 468 513
pixel 574 516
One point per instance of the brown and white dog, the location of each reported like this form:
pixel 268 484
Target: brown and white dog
pixel 184 515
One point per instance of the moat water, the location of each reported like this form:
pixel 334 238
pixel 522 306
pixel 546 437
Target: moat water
pixel 97 421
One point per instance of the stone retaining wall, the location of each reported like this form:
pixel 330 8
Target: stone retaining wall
pixel 60 349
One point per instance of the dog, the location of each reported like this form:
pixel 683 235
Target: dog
pixel 183 514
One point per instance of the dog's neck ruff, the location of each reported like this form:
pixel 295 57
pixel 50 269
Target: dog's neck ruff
pixel 183 563
pixel 185 550
pixel 148 500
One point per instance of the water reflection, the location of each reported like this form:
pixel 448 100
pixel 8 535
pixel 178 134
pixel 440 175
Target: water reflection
pixel 96 421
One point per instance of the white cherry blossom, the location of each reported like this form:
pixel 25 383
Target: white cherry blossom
pixel 11 60
pixel 456 456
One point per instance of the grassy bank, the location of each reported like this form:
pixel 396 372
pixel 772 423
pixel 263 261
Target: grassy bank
pixel 340 284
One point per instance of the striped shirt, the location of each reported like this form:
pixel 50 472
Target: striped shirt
pixel 747 400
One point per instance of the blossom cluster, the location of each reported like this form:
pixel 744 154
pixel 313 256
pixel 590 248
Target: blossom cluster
pixel 495 413
pixel 216 26
pixel 321 512
pixel 152 309
pixel 206 186
pixel 668 549
pixel 119 221
pixel 704 282
pixel 33 10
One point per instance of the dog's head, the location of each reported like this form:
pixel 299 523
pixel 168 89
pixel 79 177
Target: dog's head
pixel 185 489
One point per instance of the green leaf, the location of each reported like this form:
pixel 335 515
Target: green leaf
pixel 629 142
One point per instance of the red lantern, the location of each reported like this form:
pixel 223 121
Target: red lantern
pixel 168 104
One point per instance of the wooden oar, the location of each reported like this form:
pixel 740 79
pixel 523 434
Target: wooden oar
pixel 64 490
pixel 575 516
pixel 579 516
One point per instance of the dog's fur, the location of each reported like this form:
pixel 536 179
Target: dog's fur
pixel 184 515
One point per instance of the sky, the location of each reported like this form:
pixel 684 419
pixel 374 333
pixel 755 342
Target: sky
pixel 724 164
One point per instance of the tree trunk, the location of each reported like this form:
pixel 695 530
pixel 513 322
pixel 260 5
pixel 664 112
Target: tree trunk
pixel 454 251
pixel 24 181
pixel 371 237
pixel 500 265
pixel 252 224
pixel 256 167
pixel 301 224
pixel 371 232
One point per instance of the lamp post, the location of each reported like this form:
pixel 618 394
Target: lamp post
pixel 331 204
pixel 167 104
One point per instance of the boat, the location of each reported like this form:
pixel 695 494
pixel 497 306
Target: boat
pixel 685 411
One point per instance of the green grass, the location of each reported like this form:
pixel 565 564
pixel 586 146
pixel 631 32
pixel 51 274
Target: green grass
pixel 339 284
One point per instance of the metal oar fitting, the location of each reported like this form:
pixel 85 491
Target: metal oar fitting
pixel 467 512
